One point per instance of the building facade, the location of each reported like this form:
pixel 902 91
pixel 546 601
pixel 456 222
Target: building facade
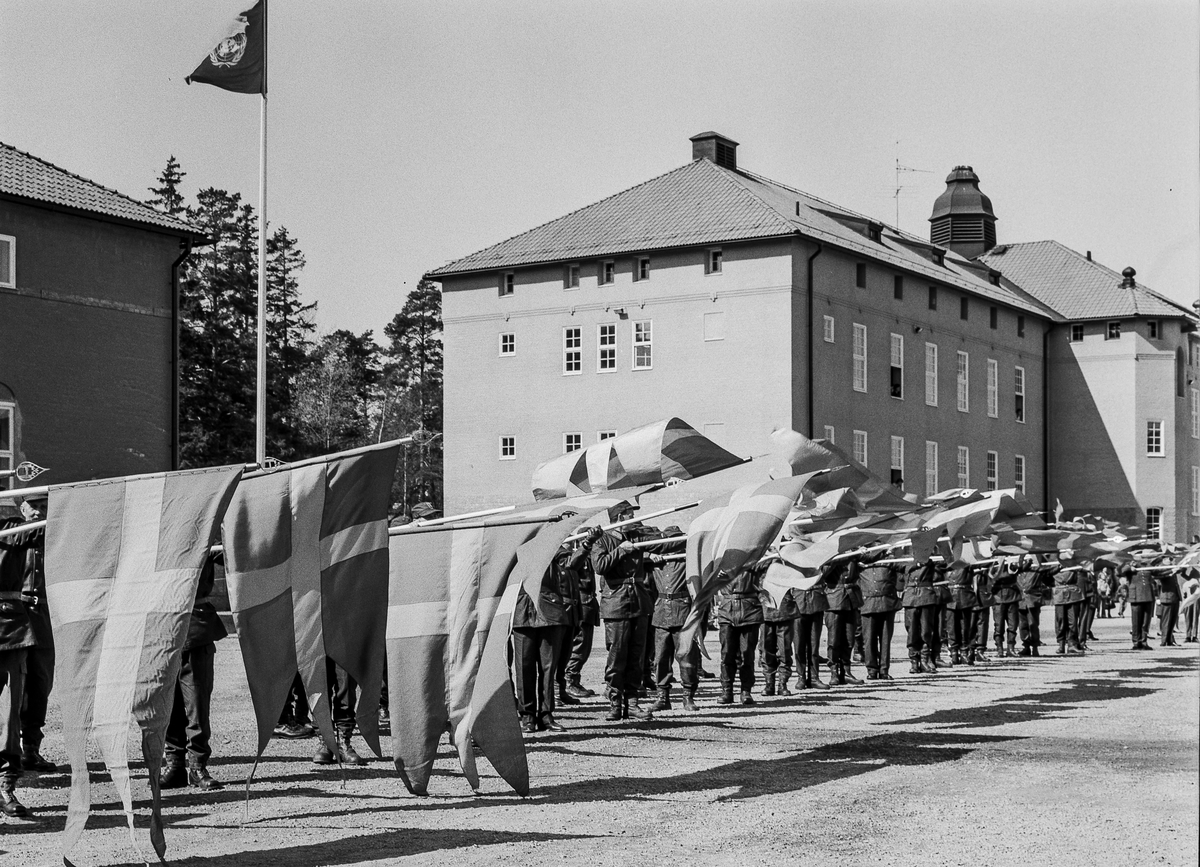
pixel 740 305
pixel 87 324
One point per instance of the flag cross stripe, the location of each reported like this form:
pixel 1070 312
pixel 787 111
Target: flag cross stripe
pixel 352 541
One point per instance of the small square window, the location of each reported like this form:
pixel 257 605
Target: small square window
pixel 643 346
pixel 1113 331
pixel 713 263
pixel 641 269
pixel 933 298
pixel 508 448
pixel 508 282
pixel 606 273
pixel 1020 326
pixel 606 360
pixel 1155 331
pixel 829 329
pixel 1076 332
pixel 571 277
pixel 963 305
pixel 860 275
pixel 572 442
pixel 898 287
pixel 993 317
pixel 508 344
pixel 602 435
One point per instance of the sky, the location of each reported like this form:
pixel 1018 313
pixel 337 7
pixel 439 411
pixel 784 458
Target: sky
pixel 404 135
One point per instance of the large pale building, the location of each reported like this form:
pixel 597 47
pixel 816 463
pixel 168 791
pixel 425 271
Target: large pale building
pixel 743 305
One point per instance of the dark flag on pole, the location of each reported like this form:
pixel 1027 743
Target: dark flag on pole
pixel 239 61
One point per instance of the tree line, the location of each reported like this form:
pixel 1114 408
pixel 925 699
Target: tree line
pixel 325 392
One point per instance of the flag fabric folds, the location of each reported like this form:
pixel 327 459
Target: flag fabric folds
pixel 306 564
pixel 123 560
pixel 651 454
pixel 239 61
pixel 805 456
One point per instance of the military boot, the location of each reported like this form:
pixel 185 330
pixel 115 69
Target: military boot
pixel 615 706
pixel 927 664
pixel 575 689
pixel 970 656
pixel 173 775
pixel 815 678
pixel 1000 654
pixel 564 697
pixel 689 700
pixel 783 684
pixel 9 805
pixel 633 710
pixel 769 685
pixel 914 665
pixel 1062 649
pixel 726 696
pixel 347 753
pixel 198 778
pixel 980 656
pixel 1012 648
pixel 31 760
pixel 747 697
pixel 847 677
pixel 664 699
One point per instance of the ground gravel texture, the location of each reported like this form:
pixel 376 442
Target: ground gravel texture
pixel 1083 760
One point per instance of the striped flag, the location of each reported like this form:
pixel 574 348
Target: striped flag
pixel 805 456
pixel 306 564
pixel 123 559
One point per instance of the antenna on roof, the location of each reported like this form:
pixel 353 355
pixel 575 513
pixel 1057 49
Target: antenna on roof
pixel 903 168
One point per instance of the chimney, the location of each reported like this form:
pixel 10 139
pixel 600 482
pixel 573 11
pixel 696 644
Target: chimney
pixel 963 219
pixel 1128 282
pixel 716 148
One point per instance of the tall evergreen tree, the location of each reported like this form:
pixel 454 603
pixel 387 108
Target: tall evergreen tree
pixel 289 341
pixel 167 197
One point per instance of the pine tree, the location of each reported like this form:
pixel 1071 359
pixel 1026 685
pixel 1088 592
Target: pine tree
pixel 289 329
pixel 167 197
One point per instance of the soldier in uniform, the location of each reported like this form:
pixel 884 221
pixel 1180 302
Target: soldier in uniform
pixel 1089 583
pixel 619 569
pixel 983 611
pixel 961 604
pixel 16 637
pixel 776 649
pixel 1068 605
pixel 1168 603
pixel 844 599
pixel 1141 604
pixel 811 606
pixel 739 618
pixel 879 606
pixel 39 659
pixel 1031 582
pixel 1006 598
pixel 671 607
pixel 584 633
pixel 1191 617
pixel 920 601
pixel 189 732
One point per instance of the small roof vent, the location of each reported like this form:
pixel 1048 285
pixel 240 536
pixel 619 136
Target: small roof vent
pixel 715 147
pixel 1128 282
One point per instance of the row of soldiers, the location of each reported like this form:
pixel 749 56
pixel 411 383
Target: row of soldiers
pixel 627 579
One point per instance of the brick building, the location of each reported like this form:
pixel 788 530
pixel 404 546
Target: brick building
pixel 741 304
pixel 87 324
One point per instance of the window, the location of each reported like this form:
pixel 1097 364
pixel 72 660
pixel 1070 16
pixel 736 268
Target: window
pixel 1154 522
pixel 1154 329
pixel 1019 473
pixel 1154 438
pixel 602 435
pixel 993 388
pixel 931 380
pixel 962 308
pixel 898 461
pixel 641 269
pixel 964 391
pixel 508 282
pixel 1113 331
pixel 1020 326
pixel 643 349
pixel 572 351
pixel 508 344
pixel 860 446
pixel 829 433
pixel 993 317
pixel 714 326
pixel 7 441
pixel 860 275
pixel 572 442
pixel 606 358
pixel 898 287
pixel 860 357
pixel 992 459
pixel 964 467
pixel 8 261
pixel 712 264
pixel 829 329
pixel 1077 332
pixel 606 273
pixel 1180 373
pixel 1195 414
pixel 933 298
pixel 508 448
pixel 931 468
pixel 571 277
pixel 1019 390
pixel 1196 490
pixel 897 373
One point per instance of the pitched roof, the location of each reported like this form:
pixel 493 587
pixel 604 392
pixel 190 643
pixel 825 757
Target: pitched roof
pixel 1075 286
pixel 29 177
pixel 703 203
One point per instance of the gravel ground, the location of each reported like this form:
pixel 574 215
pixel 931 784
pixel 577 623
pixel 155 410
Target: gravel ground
pixel 1089 759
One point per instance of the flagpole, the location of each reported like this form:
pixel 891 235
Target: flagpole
pixel 260 427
